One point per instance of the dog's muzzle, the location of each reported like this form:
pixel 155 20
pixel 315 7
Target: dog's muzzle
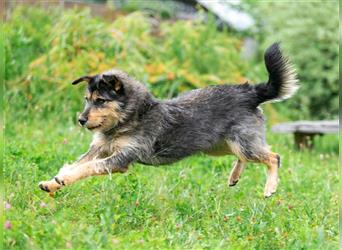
pixel 82 121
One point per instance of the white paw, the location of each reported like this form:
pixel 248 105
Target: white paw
pixel 50 186
pixel 271 187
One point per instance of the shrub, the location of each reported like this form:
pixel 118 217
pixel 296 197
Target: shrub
pixel 25 38
pixel 179 56
pixel 309 33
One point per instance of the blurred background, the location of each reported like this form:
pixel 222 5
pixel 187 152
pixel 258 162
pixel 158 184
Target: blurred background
pixel 172 46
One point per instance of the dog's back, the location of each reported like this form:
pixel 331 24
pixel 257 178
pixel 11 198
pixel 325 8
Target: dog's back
pixel 203 118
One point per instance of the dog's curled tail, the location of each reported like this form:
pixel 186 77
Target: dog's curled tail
pixel 282 82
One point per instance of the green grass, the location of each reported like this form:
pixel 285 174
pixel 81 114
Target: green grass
pixel 184 206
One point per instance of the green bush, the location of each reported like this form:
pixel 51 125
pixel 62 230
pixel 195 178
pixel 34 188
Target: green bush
pixel 309 33
pixel 175 57
pixel 26 38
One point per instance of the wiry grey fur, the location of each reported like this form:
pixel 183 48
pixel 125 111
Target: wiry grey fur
pixel 131 125
pixel 199 120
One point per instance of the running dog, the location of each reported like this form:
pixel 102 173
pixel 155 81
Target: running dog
pixel 130 125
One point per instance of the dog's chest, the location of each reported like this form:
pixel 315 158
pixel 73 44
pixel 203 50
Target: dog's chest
pixel 156 160
pixel 109 145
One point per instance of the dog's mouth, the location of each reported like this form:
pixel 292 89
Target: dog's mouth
pixel 94 127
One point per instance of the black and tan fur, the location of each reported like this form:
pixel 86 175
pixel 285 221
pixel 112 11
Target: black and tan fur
pixel 130 125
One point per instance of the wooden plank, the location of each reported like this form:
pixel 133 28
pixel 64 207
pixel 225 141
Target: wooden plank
pixel 307 127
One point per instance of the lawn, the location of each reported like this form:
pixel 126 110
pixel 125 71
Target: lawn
pixel 184 206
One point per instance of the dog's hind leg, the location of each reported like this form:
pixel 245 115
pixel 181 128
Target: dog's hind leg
pixel 236 172
pixel 255 150
pixel 272 161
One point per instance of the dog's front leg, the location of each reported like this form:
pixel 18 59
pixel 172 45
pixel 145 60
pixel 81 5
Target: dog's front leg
pixel 54 184
pixel 96 151
pixel 117 163
pixel 90 155
pixel 93 153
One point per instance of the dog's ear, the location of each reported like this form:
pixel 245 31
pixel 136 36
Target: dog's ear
pixel 82 79
pixel 113 81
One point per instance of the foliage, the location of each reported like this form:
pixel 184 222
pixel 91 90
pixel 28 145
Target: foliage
pixel 309 33
pixel 177 57
pixel 26 38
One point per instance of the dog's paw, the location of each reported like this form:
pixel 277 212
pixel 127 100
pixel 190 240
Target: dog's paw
pixel 51 186
pixel 233 182
pixel 271 187
pixel 60 180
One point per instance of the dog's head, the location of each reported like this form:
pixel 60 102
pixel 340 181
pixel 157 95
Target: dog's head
pixel 110 98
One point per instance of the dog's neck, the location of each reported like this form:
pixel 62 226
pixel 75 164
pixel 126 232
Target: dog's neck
pixel 131 121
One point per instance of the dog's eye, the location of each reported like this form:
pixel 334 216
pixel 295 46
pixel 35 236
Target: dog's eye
pixel 100 101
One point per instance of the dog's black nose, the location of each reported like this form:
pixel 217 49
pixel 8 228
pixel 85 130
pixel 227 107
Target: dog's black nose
pixel 82 120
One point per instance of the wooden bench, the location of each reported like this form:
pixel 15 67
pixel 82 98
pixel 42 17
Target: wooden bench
pixel 304 131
